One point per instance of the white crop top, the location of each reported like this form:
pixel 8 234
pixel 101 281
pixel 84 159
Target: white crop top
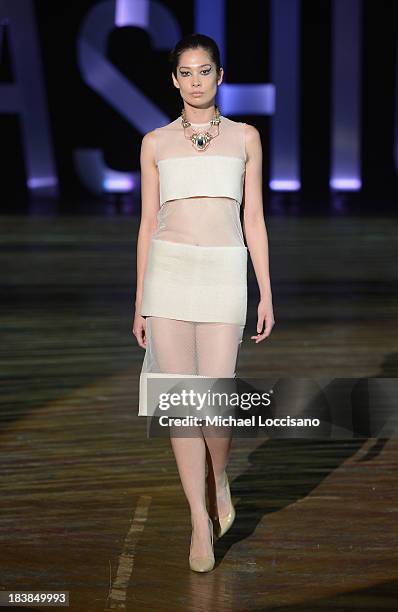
pixel 185 172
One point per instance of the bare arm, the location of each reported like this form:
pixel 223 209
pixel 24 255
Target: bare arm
pixel 149 209
pixel 255 230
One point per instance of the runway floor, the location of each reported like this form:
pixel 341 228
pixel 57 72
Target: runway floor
pixel 90 505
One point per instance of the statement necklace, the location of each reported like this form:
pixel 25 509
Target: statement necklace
pixel 201 139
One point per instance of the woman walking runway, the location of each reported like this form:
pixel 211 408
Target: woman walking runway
pixel 191 299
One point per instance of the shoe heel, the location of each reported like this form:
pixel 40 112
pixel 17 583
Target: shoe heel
pixel 226 521
pixel 203 564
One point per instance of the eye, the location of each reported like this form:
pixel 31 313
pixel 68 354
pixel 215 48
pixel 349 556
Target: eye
pixel 185 72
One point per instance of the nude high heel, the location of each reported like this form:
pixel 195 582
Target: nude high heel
pixel 202 564
pixel 226 521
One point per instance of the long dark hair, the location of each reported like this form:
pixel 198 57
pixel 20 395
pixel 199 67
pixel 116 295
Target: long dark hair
pixel 193 41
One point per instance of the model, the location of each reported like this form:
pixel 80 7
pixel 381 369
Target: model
pixel 191 298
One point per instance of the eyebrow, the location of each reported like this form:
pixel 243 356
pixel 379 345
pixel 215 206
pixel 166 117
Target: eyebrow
pixel 201 66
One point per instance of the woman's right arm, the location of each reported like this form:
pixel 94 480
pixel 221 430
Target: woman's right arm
pixel 149 210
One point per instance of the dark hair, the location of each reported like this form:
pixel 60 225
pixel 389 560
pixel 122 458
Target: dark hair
pixel 193 41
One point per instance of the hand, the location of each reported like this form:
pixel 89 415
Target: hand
pixel 265 316
pixel 139 330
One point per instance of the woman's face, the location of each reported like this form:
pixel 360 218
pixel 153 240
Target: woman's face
pixel 197 73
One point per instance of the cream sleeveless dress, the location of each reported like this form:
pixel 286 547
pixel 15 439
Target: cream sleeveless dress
pixel 195 283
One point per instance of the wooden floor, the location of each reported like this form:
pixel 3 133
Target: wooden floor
pixel 92 506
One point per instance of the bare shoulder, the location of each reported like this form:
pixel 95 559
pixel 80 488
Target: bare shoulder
pixel 252 141
pixel 252 135
pixel 148 146
pixel 148 140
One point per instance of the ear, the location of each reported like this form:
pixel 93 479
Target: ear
pixel 175 82
pixel 220 78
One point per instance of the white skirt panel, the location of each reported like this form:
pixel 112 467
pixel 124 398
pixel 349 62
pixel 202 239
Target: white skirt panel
pixel 195 283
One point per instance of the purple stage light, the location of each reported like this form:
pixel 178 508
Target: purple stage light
pixel 284 185
pixel 26 95
pixel 130 13
pixel 345 184
pixel 345 125
pixel 247 99
pixel 38 183
pixel 122 184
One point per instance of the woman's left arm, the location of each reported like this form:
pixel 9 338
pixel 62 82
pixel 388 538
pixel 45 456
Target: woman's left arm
pixel 256 232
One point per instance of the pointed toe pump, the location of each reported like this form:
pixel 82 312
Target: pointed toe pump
pixel 202 564
pixel 225 522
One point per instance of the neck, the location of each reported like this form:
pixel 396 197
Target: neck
pixel 201 116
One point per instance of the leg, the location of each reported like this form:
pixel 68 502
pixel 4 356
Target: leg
pixel 173 343
pixel 217 350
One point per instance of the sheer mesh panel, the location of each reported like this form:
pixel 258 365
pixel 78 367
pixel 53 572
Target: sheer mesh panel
pixel 187 347
pixel 171 142
pixel 206 221
pixel 183 348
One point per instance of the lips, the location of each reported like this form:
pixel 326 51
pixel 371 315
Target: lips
pixel 197 93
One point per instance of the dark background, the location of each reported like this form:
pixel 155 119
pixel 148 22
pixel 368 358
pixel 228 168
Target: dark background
pixel 80 118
